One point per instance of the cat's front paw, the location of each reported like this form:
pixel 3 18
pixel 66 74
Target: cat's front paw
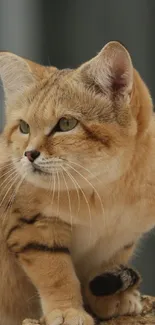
pixel 31 322
pixel 70 316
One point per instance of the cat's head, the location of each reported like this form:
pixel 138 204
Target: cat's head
pixel 71 126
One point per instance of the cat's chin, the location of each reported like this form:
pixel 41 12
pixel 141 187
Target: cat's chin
pixel 36 177
pixel 48 181
pixel 53 182
pixel 40 181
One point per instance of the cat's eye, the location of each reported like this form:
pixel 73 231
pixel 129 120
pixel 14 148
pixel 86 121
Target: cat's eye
pixel 24 127
pixel 67 124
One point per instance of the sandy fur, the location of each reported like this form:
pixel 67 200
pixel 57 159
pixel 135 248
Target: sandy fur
pixel 110 206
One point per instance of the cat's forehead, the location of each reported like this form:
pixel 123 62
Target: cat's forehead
pixel 63 95
pixel 54 100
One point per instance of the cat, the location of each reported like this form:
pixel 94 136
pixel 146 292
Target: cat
pixel 77 186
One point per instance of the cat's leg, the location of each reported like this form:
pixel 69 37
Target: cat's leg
pixel 42 248
pixel 18 297
pixel 112 290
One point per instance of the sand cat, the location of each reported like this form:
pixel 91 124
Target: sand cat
pixel 77 187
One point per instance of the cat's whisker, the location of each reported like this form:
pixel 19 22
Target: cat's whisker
pixel 58 181
pixel 69 200
pixel 8 172
pixel 6 165
pixel 14 179
pixel 53 192
pixel 11 199
pixel 7 208
pixel 7 180
pixel 86 169
pixel 91 185
pixel 6 211
pixel 15 158
pixel 76 188
pixel 10 202
pixel 10 159
pixel 87 203
pixel 19 183
pixel 32 297
pixel 50 183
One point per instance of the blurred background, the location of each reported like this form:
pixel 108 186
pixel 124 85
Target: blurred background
pixel 66 33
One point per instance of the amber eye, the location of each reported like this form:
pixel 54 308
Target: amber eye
pixel 66 124
pixel 24 127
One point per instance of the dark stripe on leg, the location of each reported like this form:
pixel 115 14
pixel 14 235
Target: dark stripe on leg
pixel 45 248
pixel 30 221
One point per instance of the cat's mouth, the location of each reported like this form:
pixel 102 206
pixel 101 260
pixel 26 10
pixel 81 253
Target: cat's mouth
pixel 43 171
pixel 37 169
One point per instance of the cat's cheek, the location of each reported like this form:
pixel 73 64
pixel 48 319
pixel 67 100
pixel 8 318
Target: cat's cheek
pixel 16 150
pixel 19 143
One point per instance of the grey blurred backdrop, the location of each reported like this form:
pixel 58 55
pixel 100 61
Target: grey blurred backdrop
pixel 67 32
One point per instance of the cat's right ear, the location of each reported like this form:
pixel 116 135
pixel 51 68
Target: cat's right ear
pixel 17 74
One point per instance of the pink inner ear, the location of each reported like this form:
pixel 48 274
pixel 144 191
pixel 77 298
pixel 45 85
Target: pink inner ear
pixel 117 82
pixel 119 75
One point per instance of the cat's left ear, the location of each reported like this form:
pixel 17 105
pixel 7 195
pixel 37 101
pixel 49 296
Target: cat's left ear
pixel 17 74
pixel 111 71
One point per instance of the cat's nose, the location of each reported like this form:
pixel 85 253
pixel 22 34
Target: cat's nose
pixel 32 155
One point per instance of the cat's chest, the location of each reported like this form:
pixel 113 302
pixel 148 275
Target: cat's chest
pixel 93 245
pixel 98 233
pixel 114 226
pixel 104 238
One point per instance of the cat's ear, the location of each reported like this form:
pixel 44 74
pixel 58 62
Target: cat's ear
pixel 16 73
pixel 111 70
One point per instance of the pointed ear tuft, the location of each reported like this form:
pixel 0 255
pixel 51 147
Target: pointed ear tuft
pixel 15 73
pixel 111 70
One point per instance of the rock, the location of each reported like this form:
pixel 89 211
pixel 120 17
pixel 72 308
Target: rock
pixel 147 316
